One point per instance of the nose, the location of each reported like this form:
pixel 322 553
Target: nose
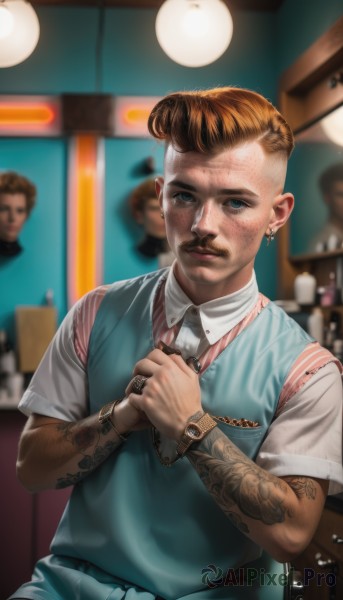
pixel 11 215
pixel 206 220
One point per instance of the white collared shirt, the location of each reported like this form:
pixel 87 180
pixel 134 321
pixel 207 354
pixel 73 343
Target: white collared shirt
pixel 204 324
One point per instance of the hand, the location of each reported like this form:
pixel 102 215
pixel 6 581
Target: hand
pixel 171 394
pixel 127 417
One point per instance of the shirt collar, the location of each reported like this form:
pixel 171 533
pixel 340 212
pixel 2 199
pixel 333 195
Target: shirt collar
pixel 217 316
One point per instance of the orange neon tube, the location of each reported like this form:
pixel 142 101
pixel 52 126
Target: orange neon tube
pixel 136 115
pixel 86 186
pixel 35 114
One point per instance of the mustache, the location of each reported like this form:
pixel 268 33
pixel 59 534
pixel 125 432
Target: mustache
pixel 205 244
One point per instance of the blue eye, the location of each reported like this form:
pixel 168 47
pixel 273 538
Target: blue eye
pixel 236 204
pixel 183 197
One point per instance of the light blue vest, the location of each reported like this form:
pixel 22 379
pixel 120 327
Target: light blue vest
pixel 157 527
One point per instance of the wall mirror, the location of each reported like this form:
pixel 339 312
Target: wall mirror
pixel 310 90
pixel 316 175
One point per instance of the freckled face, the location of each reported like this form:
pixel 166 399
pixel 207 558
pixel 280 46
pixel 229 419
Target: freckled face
pixel 217 209
pixel 13 214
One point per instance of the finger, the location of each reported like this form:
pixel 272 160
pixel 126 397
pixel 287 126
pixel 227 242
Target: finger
pixel 136 385
pixel 192 361
pixel 147 366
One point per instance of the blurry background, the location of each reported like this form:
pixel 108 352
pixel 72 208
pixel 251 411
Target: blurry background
pixel 264 43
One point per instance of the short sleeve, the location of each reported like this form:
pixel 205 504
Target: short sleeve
pixel 59 387
pixel 306 436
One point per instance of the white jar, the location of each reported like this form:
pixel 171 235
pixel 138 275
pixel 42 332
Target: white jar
pixel 305 289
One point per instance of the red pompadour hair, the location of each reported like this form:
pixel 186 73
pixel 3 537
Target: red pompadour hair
pixel 211 120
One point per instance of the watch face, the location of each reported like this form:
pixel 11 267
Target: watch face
pixel 192 431
pixel 105 413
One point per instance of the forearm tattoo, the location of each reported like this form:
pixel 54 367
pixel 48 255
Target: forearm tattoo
pixel 302 487
pixel 236 482
pixel 92 447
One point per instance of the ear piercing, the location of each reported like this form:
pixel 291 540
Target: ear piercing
pixel 270 236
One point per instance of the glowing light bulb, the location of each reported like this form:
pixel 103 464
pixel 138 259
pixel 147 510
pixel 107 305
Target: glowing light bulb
pixel 17 45
pixel 6 22
pixel 194 23
pixel 194 33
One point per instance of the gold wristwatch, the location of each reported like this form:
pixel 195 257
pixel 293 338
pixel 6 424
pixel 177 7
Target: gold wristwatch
pixel 105 413
pixel 194 432
pixel 106 416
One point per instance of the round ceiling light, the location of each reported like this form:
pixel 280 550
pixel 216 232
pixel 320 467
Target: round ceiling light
pixel 6 22
pixel 18 41
pixel 194 33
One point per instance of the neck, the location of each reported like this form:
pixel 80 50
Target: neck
pixel 10 248
pixel 200 293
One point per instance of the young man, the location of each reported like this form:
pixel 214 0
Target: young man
pixel 197 421
pixel 17 199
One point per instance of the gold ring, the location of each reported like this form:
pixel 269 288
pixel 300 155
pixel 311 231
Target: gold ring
pixel 138 384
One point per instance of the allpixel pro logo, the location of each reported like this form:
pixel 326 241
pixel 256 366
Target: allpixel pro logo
pixel 212 576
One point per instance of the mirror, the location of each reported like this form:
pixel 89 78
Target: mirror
pixel 315 176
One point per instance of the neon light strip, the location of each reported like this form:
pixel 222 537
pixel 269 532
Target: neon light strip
pixel 26 115
pixel 136 116
pixel 85 216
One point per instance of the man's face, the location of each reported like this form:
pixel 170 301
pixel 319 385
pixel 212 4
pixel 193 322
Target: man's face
pixel 217 209
pixel 151 219
pixel 13 214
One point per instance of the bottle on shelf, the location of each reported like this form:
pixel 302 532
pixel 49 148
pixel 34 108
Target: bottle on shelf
pixel 331 335
pixel 316 325
pixel 7 356
pixel 329 296
pixel 305 289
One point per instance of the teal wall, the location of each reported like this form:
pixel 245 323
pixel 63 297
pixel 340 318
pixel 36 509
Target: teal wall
pixel 299 23
pixel 263 45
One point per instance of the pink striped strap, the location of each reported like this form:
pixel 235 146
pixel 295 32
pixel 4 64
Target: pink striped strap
pixel 312 358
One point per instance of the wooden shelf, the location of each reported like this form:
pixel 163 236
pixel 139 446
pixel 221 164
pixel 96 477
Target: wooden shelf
pixel 317 256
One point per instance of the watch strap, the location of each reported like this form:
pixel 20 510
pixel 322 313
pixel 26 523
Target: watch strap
pixel 106 416
pixel 194 432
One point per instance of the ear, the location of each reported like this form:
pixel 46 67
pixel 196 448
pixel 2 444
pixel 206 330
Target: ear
pixel 282 208
pixel 159 190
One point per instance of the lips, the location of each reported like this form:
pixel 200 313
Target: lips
pixel 205 251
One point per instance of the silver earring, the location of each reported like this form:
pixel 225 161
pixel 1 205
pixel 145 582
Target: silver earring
pixel 270 236
pixel 162 214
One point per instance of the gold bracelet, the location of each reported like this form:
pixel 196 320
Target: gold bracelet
pixel 122 436
pixel 106 414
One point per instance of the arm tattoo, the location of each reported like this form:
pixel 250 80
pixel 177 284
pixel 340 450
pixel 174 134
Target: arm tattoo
pixel 235 481
pixel 93 451
pixel 302 486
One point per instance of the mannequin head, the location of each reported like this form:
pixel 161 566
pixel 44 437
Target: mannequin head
pixel 17 199
pixel 146 210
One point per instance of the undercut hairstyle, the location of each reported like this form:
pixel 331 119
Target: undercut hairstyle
pixel 143 192
pixel 211 120
pixel 13 183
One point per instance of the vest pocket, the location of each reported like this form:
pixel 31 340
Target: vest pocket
pixel 247 439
